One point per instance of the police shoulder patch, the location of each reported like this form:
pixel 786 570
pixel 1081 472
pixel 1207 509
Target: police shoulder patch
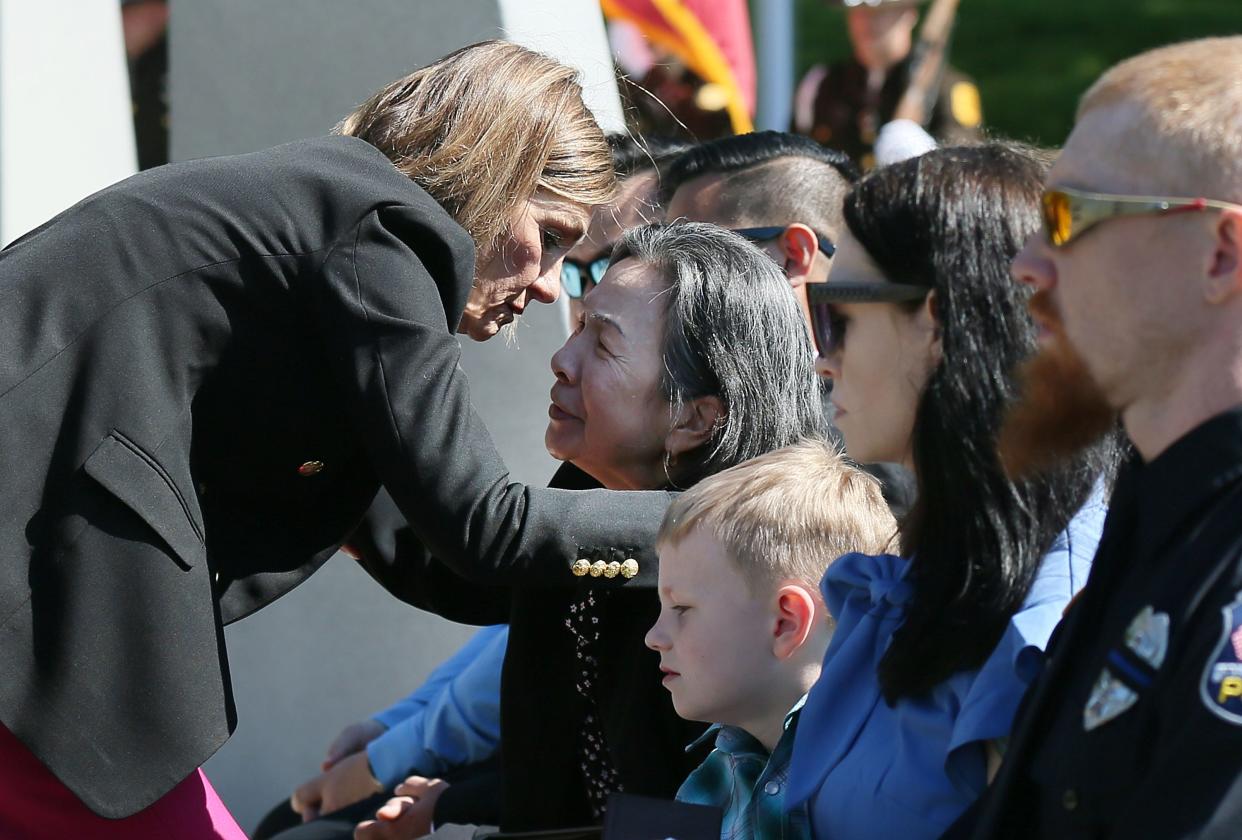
pixel 965 104
pixel 1221 686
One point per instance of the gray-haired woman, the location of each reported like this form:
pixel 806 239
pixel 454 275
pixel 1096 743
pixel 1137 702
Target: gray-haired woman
pixel 690 356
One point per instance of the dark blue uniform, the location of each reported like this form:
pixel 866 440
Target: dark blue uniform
pixel 1135 727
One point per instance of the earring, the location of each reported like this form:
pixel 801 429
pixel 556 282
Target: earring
pixel 668 477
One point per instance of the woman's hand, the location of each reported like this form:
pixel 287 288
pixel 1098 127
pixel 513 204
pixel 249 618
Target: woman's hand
pixel 407 815
pixel 347 782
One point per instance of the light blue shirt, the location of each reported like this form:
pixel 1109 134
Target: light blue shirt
pixel 866 769
pixel 452 719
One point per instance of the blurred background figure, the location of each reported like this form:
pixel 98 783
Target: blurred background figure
pixel 693 61
pixel 145 25
pixel 845 104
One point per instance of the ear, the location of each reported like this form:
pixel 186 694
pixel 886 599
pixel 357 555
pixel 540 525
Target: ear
pixel 693 426
pixel 1225 272
pixel 796 614
pixel 929 318
pixel 799 245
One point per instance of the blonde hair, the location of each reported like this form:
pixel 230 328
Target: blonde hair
pixel 1187 101
pixel 786 514
pixel 486 126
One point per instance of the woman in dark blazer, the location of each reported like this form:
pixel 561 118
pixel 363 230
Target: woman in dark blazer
pixel 208 370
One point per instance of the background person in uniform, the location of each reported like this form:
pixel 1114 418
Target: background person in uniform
pixel 845 104
pixel 1135 727
pixel 144 24
pixel 209 369
pixel 784 192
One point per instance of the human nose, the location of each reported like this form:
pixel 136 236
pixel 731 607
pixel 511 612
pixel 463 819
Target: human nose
pixel 656 638
pixel 565 363
pixel 547 287
pixel 829 364
pixel 1032 265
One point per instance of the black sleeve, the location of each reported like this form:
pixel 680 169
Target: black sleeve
pixel 473 796
pixel 383 319
pixel 390 553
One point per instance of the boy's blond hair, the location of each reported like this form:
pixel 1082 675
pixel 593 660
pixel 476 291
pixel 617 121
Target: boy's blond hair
pixel 787 514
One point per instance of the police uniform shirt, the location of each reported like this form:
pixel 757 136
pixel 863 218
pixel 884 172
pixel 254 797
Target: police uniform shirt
pixel 847 115
pixel 1136 728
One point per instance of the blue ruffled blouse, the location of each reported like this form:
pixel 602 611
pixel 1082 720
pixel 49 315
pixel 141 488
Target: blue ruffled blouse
pixel 866 769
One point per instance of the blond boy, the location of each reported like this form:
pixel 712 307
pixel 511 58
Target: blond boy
pixel 742 629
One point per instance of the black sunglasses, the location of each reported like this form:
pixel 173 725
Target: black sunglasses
pixel 828 328
pixel 766 234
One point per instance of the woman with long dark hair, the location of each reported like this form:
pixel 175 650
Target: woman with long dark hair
pixel 922 329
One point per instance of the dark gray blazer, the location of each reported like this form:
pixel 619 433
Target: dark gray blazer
pixel 206 373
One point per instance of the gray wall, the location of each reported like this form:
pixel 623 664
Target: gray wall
pixel 248 74
pixel 245 75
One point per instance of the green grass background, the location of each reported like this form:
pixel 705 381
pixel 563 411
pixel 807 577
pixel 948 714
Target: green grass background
pixel 1033 58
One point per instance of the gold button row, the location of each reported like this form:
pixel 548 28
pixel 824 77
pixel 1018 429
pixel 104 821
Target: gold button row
pixel 583 567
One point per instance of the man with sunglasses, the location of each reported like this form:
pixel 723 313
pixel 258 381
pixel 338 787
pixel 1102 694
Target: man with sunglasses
pixel 1135 727
pixel 783 192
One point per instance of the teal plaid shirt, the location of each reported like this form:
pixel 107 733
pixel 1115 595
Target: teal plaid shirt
pixel 748 783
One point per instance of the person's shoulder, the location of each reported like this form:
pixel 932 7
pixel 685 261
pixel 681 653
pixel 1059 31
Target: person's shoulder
pixel 349 166
pixel 959 93
pixel 1062 573
pixel 877 577
pixel 866 589
pixel 1064 568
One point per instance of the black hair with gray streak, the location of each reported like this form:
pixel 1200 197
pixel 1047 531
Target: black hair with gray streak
pixel 735 332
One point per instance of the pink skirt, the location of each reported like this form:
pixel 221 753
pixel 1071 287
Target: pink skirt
pixel 35 805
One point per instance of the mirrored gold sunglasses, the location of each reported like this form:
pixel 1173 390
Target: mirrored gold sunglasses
pixel 1069 213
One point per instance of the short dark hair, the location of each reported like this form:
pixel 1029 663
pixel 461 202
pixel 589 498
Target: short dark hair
pixel 632 155
pixel 770 178
pixel 952 220
pixel 747 151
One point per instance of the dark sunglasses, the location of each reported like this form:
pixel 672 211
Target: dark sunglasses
pixel 1069 213
pixel 827 326
pixel 767 234
pixel 578 278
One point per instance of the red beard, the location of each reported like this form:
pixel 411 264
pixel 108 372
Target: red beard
pixel 1060 409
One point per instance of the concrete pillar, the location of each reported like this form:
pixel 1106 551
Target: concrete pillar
pixel 65 125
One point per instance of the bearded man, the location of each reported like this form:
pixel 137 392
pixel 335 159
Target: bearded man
pixel 1135 727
